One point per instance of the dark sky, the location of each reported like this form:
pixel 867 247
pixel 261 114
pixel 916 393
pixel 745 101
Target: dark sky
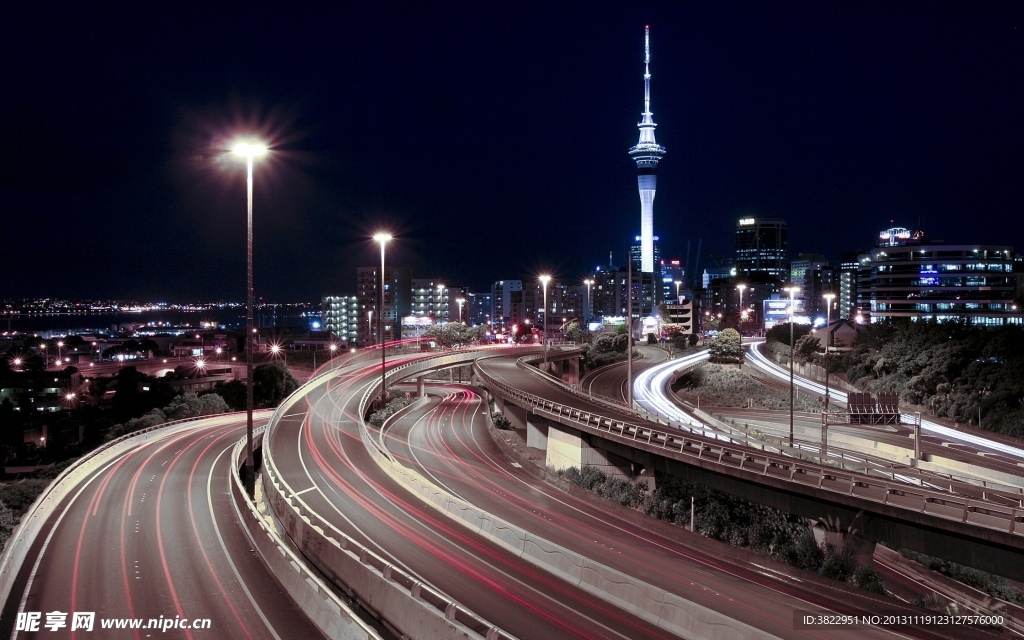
pixel 491 137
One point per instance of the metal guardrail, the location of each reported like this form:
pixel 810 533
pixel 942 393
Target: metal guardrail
pixel 282 495
pixel 731 458
pixel 28 527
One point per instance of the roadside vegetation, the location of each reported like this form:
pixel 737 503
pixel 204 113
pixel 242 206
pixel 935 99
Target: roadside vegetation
pixel 397 400
pixel 723 385
pixel 741 523
pixel 949 369
pixel 993 585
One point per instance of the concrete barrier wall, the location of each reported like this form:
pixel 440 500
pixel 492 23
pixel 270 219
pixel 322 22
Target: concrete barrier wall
pixel 327 611
pixel 659 607
pixel 24 535
pixel 416 610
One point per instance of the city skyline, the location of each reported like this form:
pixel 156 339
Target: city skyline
pixel 836 119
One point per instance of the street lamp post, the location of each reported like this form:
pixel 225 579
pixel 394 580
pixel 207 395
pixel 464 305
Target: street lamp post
pixel 792 302
pixel 440 298
pixel 461 302
pixel 249 151
pixel 678 282
pixel 383 239
pixel 544 280
pixel 828 340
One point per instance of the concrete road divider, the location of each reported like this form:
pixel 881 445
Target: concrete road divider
pixel 327 611
pixel 667 610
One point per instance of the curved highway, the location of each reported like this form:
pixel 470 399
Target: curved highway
pixel 153 534
pixel 319 452
pixel 447 439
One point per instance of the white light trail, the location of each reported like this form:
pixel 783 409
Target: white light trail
pixel 926 425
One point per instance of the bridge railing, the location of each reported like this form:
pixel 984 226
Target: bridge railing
pixel 730 458
pixel 344 559
pixel 32 521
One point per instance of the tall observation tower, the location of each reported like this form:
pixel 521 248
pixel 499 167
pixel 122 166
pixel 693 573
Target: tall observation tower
pixel 647 153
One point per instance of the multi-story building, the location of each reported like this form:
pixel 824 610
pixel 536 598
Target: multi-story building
pixel 672 272
pixel 761 246
pixel 816 283
pixel 608 292
pixel 847 300
pixel 340 317
pixel 397 302
pixel 431 298
pixel 681 313
pixel 507 306
pixel 636 252
pixel 799 267
pixel 907 276
pixel 479 309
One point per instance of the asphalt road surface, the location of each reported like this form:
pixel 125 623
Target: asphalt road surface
pixel 154 534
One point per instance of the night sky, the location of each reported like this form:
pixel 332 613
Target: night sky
pixel 491 138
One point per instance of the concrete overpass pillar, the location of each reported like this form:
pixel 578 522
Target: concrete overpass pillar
pixel 571 371
pixel 420 385
pixel 537 431
pixel 568 447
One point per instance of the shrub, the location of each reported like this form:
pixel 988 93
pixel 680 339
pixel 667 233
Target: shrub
pixel 378 418
pixel 726 386
pixel 7 523
pixel 739 522
pixel 501 422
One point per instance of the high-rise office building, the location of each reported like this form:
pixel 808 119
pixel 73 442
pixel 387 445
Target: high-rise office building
pixel 761 246
pixel 908 276
pixel 647 153
pixel 848 266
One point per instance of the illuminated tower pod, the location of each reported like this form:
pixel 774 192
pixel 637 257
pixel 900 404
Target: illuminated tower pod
pixel 647 153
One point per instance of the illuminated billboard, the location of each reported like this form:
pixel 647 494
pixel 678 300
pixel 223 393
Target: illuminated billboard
pixel 777 311
pixel 897 236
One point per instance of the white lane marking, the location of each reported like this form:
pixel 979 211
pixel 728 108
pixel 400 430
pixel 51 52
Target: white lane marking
pixel 478 558
pixel 299 493
pixel 234 569
pixel 422 466
pixel 53 529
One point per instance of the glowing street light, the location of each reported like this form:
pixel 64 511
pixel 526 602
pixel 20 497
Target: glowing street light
pixel 382 238
pixel 791 290
pixel 249 151
pixel 461 302
pixel 677 283
pixel 544 280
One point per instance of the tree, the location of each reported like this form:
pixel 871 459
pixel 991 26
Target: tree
pixel 575 333
pixel 190 405
pixel 807 346
pixel 453 334
pixel 727 345
pixel 272 383
pixel 780 332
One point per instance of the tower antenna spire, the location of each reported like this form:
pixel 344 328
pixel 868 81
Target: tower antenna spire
pixel 647 72
pixel 647 153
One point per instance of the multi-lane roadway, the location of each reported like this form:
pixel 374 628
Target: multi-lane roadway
pixel 153 534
